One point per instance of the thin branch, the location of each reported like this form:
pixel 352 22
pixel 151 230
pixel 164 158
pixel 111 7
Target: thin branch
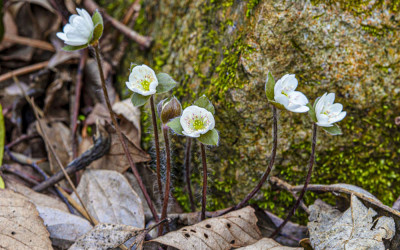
pixel 121 138
pixel 24 70
pixel 29 42
pixel 187 167
pixel 308 178
pixel 21 139
pixel 204 197
pixel 168 179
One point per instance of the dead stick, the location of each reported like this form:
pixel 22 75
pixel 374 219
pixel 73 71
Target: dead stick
pixel 144 41
pixel 29 42
pixel 21 139
pixel 24 70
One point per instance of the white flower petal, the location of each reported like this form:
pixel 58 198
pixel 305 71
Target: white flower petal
pixel 298 98
pixel 320 104
pixel 330 98
pixel 339 117
pixel 290 82
pixel 300 109
pixel 324 124
pixel 336 108
pixel 62 36
pixel 83 13
pixel 193 114
pixel 282 99
pixel 79 29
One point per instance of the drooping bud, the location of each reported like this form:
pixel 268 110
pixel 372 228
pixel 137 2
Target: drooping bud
pixel 169 109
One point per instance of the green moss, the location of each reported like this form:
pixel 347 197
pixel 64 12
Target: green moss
pixel 250 6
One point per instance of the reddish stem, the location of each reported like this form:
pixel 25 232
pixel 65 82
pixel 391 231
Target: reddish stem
pixel 204 198
pixel 157 144
pixel 168 180
pixel 187 167
pixel 308 178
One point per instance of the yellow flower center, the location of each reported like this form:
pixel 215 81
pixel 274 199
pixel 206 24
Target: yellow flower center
pixel 146 85
pixel 198 124
pixel 283 93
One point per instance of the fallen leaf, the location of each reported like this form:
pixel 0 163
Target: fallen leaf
pixel 109 198
pixel 60 137
pixel 10 29
pixel 353 229
pixel 268 244
pixel 105 236
pixel 36 198
pixel 235 229
pixel 64 227
pixel 20 224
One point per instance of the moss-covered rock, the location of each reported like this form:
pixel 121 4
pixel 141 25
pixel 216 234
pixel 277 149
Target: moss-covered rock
pixel 224 49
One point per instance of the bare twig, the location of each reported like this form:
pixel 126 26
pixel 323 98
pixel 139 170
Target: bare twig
pixel 20 174
pixel 24 70
pixel 308 178
pixel 121 138
pixel 144 41
pixel 21 139
pixel 29 42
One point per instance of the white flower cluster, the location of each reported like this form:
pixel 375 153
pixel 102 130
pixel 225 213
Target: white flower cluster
pixel 79 30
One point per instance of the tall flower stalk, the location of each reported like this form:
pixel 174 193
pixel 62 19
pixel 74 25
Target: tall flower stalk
pixel 157 145
pixel 197 121
pixel 188 151
pixel 167 110
pixel 324 113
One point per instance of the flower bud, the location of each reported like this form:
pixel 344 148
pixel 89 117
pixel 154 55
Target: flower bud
pixel 169 109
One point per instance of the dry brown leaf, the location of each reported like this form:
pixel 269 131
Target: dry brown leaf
pixel 105 236
pixel 268 244
pixel 109 198
pixel 20 224
pixel 10 29
pixel 36 198
pixel 115 159
pixel 235 229
pixel 60 140
pixel 64 227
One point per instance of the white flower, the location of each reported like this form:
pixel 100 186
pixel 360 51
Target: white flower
pixel 142 80
pixel 328 113
pixel 196 121
pixel 285 94
pixel 79 30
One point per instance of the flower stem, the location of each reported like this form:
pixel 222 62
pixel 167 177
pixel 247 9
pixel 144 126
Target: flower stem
pixel 269 168
pixel 121 138
pixel 187 166
pixel 308 178
pixel 157 144
pixel 168 179
pixel 204 198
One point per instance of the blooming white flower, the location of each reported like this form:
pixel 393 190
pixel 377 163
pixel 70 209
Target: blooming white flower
pixel 79 30
pixel 328 113
pixel 196 121
pixel 142 80
pixel 285 94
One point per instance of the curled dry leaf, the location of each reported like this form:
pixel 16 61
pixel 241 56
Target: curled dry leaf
pixel 64 227
pixel 106 236
pixel 235 229
pixel 268 244
pixel 356 228
pixel 20 224
pixel 110 199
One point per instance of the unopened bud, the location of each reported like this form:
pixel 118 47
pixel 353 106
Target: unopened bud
pixel 168 109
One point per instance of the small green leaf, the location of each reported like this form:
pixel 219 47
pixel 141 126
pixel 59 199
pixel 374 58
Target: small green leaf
pixel 203 102
pixel 165 83
pixel 210 138
pixel 2 185
pixel 139 100
pixel 2 135
pixel 316 101
pixel 311 112
pixel 72 48
pixel 97 32
pixel 269 86
pixel 175 125
pixel 97 18
pixel 334 130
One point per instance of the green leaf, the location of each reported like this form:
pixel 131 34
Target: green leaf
pixel 277 105
pixel 334 130
pixel 311 112
pixel 165 82
pixel 269 86
pixel 97 18
pixel 210 138
pixel 97 32
pixel 175 125
pixel 72 48
pixel 2 185
pixel 139 100
pixel 203 102
pixel 2 135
